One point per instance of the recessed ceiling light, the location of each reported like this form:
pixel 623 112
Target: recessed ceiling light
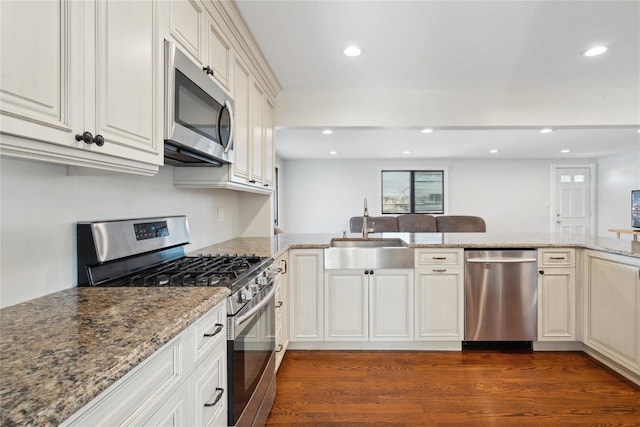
pixel 638 130
pixel 427 130
pixel 333 153
pixel 595 51
pixel 327 132
pixel 494 151
pixel 406 152
pixel 546 130
pixel 352 51
pixel 565 151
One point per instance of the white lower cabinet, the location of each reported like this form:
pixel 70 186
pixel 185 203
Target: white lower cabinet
pixel 176 386
pixel 208 391
pixel 556 295
pixel 369 305
pixel 439 300
pixel 306 267
pixel 282 307
pixel 346 306
pixel 612 308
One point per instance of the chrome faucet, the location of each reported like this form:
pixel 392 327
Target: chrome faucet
pixel 366 230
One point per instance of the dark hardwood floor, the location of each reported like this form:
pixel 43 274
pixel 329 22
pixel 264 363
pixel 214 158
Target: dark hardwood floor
pixel 471 388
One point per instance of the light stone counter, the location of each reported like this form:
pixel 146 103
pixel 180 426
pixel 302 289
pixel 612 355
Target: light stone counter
pixel 58 352
pixel 273 246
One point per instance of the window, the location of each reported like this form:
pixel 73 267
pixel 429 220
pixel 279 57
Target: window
pixel 413 192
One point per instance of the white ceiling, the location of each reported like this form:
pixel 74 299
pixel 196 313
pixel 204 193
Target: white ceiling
pixel 475 44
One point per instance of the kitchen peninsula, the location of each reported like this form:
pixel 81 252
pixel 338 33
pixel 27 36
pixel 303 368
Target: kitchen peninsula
pixel 45 378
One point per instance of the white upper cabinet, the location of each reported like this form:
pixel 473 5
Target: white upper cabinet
pixel 186 25
pixel 256 101
pixel 240 169
pixel 219 55
pixel 66 78
pixel 214 35
pixel 269 149
pixel 193 26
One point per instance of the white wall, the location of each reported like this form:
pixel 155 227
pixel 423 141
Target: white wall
pixel 617 176
pixel 511 195
pixel 458 108
pixel 40 206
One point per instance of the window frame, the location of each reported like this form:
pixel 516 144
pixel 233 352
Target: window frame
pixel 445 189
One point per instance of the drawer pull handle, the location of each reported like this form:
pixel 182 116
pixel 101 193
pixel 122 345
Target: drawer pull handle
pixel 557 257
pixel 279 304
pixel 439 270
pixel 280 347
pixel 439 257
pixel 218 397
pixel 219 327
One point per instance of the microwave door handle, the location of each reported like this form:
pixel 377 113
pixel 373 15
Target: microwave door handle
pixel 229 146
pixel 170 83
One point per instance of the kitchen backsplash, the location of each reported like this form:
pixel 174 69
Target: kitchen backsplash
pixel 41 204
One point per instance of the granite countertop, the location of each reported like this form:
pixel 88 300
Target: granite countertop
pixel 60 351
pixel 276 245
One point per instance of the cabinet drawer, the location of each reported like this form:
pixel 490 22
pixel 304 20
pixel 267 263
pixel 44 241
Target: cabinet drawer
pixel 564 257
pixel 138 394
pixel 208 331
pixel 439 257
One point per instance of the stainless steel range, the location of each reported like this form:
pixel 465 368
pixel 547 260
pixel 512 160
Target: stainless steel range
pixel 150 252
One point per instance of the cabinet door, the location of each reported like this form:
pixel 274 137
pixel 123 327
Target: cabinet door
pixel 186 19
pixel 612 297
pixel 208 390
pixel 556 304
pixel 439 304
pixel 219 54
pixel 269 143
pixel 123 80
pixel 346 305
pixel 42 49
pixel 172 413
pixel 282 310
pixel 256 105
pixel 241 148
pixel 306 296
pixel 391 305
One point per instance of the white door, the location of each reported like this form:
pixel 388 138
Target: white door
pixel 572 204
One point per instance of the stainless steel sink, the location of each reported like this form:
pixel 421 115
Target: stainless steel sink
pixel 367 243
pixel 370 253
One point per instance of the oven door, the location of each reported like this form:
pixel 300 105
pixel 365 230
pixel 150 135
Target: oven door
pixel 251 361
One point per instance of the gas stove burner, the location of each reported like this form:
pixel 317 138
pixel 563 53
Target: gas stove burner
pixel 199 270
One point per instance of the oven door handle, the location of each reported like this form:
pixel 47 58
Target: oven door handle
pixel 242 319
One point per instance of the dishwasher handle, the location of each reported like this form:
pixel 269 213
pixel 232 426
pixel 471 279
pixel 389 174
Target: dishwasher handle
pixel 502 260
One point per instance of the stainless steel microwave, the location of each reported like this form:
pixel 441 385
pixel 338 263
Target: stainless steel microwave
pixel 198 114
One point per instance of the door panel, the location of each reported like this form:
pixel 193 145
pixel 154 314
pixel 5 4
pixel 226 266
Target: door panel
pixel 572 201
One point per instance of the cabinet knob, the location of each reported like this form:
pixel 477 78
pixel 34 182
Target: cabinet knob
pixel 208 70
pixel 99 140
pixel 87 137
pixel 541 271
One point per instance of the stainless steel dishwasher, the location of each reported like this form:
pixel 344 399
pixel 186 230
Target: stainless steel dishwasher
pixel 500 296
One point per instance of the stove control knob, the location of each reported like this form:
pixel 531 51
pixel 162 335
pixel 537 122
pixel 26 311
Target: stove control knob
pixel 246 295
pixel 254 289
pixel 262 281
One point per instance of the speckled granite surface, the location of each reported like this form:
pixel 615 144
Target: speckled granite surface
pixel 272 246
pixel 58 352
